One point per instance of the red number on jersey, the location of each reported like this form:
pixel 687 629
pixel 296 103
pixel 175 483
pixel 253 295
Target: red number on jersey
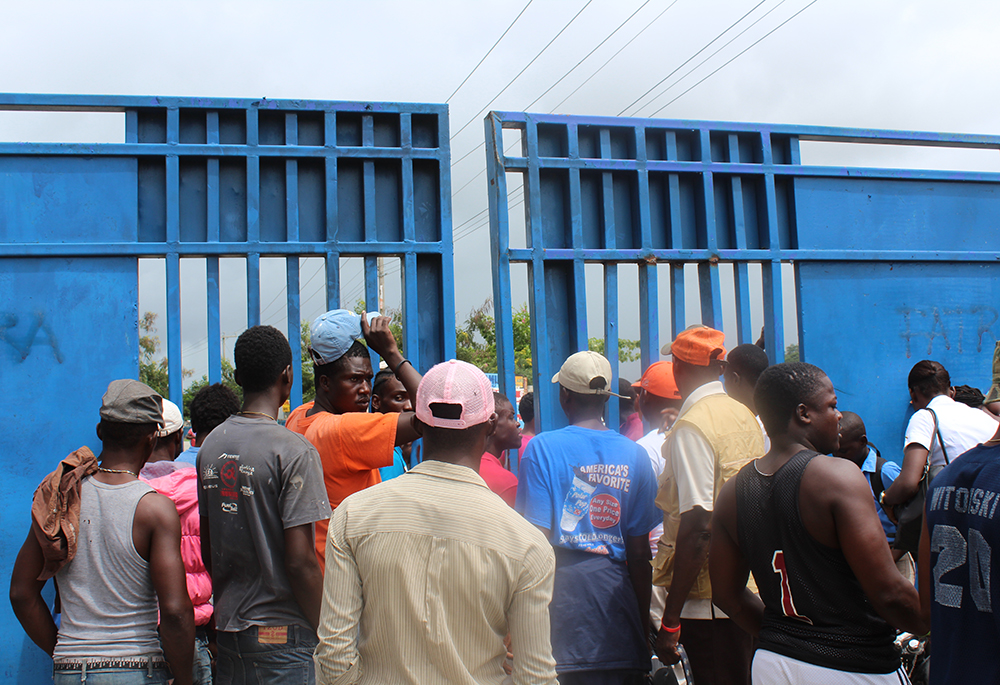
pixel 787 603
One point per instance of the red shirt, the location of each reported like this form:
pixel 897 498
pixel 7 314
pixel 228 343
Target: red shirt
pixel 499 479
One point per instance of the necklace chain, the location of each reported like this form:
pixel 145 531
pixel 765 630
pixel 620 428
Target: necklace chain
pixel 131 473
pixel 257 413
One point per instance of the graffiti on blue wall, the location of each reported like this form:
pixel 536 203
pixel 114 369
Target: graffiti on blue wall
pixel 37 332
pixel 955 326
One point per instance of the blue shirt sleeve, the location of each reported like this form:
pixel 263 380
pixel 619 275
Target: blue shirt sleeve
pixel 644 516
pixel 890 472
pixel 534 496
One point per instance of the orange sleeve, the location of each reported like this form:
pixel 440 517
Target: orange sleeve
pixel 367 440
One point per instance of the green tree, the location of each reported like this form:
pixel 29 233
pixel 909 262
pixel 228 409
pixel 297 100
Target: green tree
pixel 792 353
pixel 475 341
pixel 152 371
pixel 227 379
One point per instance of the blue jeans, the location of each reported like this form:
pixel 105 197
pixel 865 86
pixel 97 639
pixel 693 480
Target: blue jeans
pixel 265 655
pixel 114 676
pixel 202 659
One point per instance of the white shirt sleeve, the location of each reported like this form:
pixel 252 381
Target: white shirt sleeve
pixel 920 430
pixel 694 469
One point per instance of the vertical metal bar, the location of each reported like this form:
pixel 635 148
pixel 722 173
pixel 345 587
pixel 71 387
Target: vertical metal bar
pixel 214 324
pixel 611 335
pixel 774 338
pixel 708 272
pixel 674 198
pixel 677 314
pixel 253 289
pixel 174 356
pixel 131 126
pixel 174 363
pixel 332 264
pixel 332 216
pixel 499 253
pixel 649 313
pixel 406 141
pixel 411 312
pixel 710 291
pixel 294 328
pixel 447 243
pixel 371 294
pixel 741 282
pixel 292 181
pixel 253 221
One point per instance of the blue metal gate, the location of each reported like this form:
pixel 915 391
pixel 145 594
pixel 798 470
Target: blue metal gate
pixel 202 178
pixel 891 266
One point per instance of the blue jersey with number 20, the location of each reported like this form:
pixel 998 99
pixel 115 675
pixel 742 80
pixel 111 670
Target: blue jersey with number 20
pixel 963 521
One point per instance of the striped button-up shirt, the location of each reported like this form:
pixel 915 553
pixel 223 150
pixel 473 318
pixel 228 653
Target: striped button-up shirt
pixel 425 576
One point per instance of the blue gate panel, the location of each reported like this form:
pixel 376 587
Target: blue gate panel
pixel 875 250
pixel 67 327
pixel 867 324
pixel 41 197
pixel 197 178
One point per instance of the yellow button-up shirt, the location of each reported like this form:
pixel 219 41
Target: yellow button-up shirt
pixel 425 575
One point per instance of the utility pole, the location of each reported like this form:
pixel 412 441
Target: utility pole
pixel 224 338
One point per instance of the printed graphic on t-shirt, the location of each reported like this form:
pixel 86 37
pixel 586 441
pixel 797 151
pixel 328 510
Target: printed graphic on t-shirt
pixel 229 475
pixel 602 510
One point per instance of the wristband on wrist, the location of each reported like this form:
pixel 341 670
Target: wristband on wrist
pixel 675 629
pixel 400 365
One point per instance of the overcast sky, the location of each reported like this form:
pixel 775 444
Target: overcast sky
pixel 900 65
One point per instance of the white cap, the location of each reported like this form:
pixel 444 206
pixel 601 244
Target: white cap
pixel 173 421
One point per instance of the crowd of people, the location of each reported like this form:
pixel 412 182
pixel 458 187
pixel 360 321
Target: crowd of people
pixel 736 521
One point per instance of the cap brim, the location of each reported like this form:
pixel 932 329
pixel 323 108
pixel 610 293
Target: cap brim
pixel 555 378
pixel 665 350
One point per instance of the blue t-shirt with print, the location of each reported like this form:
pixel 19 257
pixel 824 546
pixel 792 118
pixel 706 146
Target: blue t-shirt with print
pixel 591 489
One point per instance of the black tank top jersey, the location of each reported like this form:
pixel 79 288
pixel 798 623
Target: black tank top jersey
pixel 814 608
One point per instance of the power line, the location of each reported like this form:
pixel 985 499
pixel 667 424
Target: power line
pixel 705 47
pixel 547 46
pixel 488 52
pixel 617 52
pixel 720 49
pixel 734 58
pixel 585 57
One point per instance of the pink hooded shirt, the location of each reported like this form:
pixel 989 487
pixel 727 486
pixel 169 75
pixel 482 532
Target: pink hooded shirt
pixel 181 486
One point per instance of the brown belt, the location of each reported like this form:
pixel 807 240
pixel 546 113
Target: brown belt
pixel 94 664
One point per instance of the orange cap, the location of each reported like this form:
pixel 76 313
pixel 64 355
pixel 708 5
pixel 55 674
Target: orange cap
pixel 659 380
pixel 697 345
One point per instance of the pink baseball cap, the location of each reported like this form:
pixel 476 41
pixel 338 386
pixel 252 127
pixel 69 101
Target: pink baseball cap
pixel 462 386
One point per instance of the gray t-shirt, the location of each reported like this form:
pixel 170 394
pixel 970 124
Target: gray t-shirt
pixel 255 479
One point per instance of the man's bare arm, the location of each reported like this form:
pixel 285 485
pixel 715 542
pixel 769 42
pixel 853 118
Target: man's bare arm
pixel 690 552
pixel 303 570
pixel 924 579
pixel 728 567
pixel 640 573
pixel 26 596
pixel 206 545
pixel 156 520
pixel 842 492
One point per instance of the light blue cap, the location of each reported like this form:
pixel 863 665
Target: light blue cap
pixel 333 333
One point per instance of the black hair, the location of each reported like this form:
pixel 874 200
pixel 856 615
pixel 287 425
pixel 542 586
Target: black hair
pixel 261 354
pixel 966 394
pixel 125 435
pixel 450 438
pixel 783 387
pixel 356 350
pixel 628 401
pixel 929 378
pixel 499 399
pixel 526 407
pixel 749 361
pixel 380 379
pixel 212 405
pixel 588 402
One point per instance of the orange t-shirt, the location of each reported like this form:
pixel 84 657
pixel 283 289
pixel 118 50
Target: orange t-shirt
pixel 352 447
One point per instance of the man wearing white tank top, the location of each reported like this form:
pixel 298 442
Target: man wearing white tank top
pixel 127 562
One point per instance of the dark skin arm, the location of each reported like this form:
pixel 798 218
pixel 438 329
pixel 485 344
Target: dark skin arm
pixel 303 570
pixel 156 532
pixel 380 338
pixel 838 511
pixel 924 578
pixel 206 546
pixel 906 483
pixel 26 596
pixel 728 567
pixel 693 538
pixel 640 573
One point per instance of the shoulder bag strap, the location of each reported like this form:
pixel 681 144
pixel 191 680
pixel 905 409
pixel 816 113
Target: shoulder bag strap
pixel 937 432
